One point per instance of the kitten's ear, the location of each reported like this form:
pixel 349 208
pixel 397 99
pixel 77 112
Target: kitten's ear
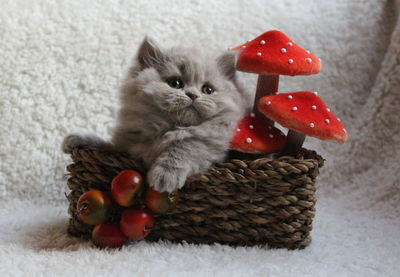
pixel 227 64
pixel 149 54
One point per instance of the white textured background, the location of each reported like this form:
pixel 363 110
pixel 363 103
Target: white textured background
pixel 61 63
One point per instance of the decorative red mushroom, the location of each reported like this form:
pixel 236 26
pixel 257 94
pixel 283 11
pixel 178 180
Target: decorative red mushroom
pixel 254 136
pixel 270 55
pixel 304 113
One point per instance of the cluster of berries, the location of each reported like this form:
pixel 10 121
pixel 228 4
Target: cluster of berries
pixel 95 207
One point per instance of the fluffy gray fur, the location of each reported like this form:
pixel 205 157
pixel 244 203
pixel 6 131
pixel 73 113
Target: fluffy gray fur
pixel 175 136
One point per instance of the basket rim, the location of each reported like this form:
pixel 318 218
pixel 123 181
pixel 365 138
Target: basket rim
pixel 304 161
pixel 303 154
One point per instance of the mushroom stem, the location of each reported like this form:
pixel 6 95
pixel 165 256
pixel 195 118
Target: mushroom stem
pixel 266 84
pixel 294 142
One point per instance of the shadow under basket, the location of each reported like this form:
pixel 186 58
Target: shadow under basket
pixel 266 202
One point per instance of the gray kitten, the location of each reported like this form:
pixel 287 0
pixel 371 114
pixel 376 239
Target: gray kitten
pixel 179 108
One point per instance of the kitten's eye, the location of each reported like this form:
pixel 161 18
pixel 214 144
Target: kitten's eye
pixel 207 89
pixel 175 82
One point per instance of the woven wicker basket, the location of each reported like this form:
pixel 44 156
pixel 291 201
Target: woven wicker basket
pixel 238 202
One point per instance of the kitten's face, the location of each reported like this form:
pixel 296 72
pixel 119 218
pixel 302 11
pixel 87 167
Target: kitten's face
pixel 186 85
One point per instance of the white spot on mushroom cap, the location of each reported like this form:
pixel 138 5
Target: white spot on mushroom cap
pixel 238 130
pixel 290 97
pixel 290 61
pixel 328 109
pixel 249 140
pixel 315 92
pixel 283 50
pixel 308 52
pixel 251 126
pixel 252 115
pixel 294 109
pixel 312 125
pixel 327 121
pixel 244 46
pixel 290 44
pixel 259 54
pixel 309 60
pixel 271 135
pixel 338 119
pixel 344 130
pixel 314 107
pixel 136 180
pixel 262 42
pixel 268 102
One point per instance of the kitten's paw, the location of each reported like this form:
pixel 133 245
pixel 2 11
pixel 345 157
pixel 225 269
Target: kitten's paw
pixel 166 179
pixel 79 140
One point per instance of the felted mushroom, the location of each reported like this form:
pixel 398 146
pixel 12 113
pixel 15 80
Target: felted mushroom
pixel 270 55
pixel 304 113
pixel 254 136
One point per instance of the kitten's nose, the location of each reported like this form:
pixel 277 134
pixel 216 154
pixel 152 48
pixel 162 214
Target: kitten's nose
pixel 192 96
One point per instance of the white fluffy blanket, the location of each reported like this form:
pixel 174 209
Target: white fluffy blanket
pixel 61 63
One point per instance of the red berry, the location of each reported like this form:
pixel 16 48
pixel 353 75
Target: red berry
pixel 126 186
pixel 160 202
pixel 108 235
pixel 136 224
pixel 94 207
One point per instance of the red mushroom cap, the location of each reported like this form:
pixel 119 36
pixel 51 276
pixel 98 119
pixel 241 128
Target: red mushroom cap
pixel 273 53
pixel 254 135
pixel 303 112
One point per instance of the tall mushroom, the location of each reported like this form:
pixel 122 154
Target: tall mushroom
pixel 270 55
pixel 253 136
pixel 304 113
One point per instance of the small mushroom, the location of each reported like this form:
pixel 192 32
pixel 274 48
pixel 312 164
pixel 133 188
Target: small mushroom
pixel 304 113
pixel 270 55
pixel 253 135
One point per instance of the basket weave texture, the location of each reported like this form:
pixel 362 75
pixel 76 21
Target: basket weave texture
pixel 239 202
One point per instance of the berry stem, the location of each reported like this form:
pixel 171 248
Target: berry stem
pixel 84 206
